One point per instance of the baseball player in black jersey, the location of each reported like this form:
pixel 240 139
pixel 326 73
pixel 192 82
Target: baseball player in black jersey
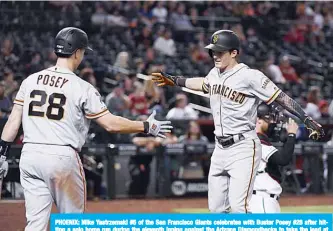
pixel 267 188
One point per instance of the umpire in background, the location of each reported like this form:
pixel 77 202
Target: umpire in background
pixel 267 188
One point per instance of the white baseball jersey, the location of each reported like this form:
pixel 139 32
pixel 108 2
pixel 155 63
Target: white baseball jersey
pixel 58 107
pixel 234 97
pixel 263 181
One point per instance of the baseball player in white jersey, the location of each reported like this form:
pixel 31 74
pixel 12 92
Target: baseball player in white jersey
pixel 267 188
pixel 235 91
pixel 56 107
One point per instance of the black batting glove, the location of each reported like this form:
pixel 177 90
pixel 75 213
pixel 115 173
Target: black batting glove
pixel 315 129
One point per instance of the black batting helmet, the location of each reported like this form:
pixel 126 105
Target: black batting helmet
pixel 223 40
pixel 68 40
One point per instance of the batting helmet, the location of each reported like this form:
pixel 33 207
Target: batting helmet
pixel 223 40
pixel 69 39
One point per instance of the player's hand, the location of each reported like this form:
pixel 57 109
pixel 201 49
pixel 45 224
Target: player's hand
pixel 163 79
pixel 315 129
pixel 292 126
pixel 157 128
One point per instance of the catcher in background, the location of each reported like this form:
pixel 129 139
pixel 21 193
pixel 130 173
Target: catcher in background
pixel 267 188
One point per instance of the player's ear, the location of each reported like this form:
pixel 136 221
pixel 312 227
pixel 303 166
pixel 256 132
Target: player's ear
pixel 233 53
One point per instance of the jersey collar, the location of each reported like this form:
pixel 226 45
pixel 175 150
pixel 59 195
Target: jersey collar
pixel 264 139
pixel 234 69
pixel 62 70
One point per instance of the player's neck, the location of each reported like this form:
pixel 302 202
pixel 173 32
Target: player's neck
pixel 65 63
pixel 231 65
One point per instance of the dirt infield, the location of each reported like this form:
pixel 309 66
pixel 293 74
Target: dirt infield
pixel 12 215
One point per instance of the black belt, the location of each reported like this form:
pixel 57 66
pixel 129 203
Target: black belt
pixel 227 141
pixel 270 195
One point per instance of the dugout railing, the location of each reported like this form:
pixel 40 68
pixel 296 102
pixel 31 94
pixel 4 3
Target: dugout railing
pixel 180 170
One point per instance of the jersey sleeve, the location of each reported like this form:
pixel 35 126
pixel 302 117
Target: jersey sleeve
pixel 205 83
pixel 262 87
pixel 267 152
pixel 93 105
pixel 19 98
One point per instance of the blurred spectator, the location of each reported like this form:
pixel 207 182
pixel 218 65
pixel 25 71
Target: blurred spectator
pixel 238 29
pixel 139 104
pixel 180 20
pixel 36 63
pixel 145 38
pixel 197 54
pixel 288 71
pixel 9 83
pixel 318 18
pixel 122 60
pixel 117 102
pixel 249 10
pixel 295 35
pixel 171 138
pixel 5 103
pixel 182 111
pixel 194 17
pixel 50 59
pixel 273 71
pixel 193 134
pixel 8 57
pixel 87 74
pixel 323 108
pixel 160 12
pixel 129 82
pixel 149 59
pixel 146 15
pixel 93 170
pixel 153 96
pixel 312 108
pixel 100 15
pixel 165 44
pixel 139 165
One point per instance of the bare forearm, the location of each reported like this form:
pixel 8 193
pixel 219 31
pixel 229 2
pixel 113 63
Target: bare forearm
pixel 194 83
pixel 118 124
pixel 13 124
pixel 291 106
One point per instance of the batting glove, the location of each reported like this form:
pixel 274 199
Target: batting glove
pixel 4 149
pixel 3 167
pixel 315 129
pixel 156 128
pixel 163 79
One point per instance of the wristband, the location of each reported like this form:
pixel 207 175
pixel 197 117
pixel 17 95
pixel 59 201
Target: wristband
pixel 292 134
pixel 146 127
pixel 180 81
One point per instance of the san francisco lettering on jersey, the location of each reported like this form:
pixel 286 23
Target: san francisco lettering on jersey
pixel 227 92
pixel 53 81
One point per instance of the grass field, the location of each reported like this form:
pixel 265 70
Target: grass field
pixel 291 209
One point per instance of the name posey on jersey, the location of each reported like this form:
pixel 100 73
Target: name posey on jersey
pixel 52 81
pixel 227 92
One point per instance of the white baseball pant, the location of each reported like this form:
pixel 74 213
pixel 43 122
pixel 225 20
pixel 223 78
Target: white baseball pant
pixel 231 176
pixel 51 173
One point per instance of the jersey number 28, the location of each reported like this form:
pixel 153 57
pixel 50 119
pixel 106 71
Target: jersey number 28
pixel 56 101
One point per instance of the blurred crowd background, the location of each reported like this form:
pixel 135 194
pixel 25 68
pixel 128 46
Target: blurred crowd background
pixel 291 42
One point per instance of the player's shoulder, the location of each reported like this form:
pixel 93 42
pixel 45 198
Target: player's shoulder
pixel 252 72
pixel 32 77
pixel 213 72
